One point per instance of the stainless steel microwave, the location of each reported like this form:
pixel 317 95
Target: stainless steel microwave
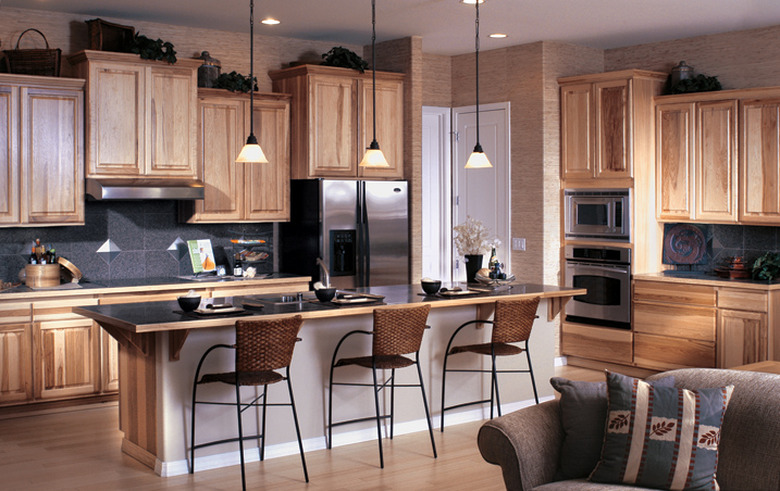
pixel 597 214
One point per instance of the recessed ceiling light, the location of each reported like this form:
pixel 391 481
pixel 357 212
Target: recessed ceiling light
pixel 498 35
pixel 471 2
pixel 270 21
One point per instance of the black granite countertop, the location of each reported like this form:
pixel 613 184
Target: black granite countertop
pixel 709 278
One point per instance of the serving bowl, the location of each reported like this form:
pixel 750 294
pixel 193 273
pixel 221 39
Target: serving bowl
pixel 188 304
pixel 430 287
pixel 325 294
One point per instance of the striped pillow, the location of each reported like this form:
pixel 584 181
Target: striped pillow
pixel 661 437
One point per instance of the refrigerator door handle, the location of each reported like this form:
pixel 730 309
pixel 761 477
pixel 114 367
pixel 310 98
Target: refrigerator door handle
pixel 361 246
pixel 367 239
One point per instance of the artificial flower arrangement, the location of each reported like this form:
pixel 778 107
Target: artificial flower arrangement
pixel 472 237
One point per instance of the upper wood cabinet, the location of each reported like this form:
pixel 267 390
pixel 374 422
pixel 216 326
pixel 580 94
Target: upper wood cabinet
pixel 332 120
pixel 760 154
pixel 697 161
pixel 605 123
pixel 241 192
pixel 41 151
pixel 141 115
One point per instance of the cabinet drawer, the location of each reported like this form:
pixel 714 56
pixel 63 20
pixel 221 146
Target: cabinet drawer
pixel 736 299
pixel 665 353
pixel 597 343
pixel 666 291
pixel 675 320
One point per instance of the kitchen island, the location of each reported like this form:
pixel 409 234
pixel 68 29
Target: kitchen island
pixel 160 348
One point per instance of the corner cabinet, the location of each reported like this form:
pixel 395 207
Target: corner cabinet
pixel 41 151
pixel 332 120
pixel 603 121
pixel 241 192
pixel 141 115
pixel 760 186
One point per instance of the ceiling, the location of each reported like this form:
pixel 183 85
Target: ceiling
pixel 446 26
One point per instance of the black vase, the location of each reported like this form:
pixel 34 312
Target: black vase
pixel 473 264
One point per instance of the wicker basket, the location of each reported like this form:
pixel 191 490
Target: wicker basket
pixel 44 62
pixel 107 36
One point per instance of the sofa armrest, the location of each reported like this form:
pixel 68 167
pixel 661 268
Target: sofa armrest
pixel 525 443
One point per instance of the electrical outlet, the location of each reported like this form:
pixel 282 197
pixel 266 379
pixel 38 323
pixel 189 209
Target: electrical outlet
pixel 518 244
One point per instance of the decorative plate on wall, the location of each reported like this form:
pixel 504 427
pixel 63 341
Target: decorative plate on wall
pixel 684 243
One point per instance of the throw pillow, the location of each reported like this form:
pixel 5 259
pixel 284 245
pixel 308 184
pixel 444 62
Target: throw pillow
pixel 661 437
pixel 583 414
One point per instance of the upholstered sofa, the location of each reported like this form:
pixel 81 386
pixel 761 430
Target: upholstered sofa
pixel 527 443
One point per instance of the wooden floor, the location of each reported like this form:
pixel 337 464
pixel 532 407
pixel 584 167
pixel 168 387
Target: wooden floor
pixel 80 449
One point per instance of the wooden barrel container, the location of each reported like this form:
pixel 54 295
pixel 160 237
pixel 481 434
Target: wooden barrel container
pixel 39 275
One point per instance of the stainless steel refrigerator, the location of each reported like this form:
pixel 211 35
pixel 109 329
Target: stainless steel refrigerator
pixel 359 228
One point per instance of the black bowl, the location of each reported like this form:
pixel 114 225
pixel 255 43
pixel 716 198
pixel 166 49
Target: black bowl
pixel 431 287
pixel 325 294
pixel 188 304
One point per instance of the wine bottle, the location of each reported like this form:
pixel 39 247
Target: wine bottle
pixel 492 264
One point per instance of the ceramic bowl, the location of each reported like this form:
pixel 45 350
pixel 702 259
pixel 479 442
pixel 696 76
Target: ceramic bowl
pixel 431 287
pixel 188 304
pixel 325 294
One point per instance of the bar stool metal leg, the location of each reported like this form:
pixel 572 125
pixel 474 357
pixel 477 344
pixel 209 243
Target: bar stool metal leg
pixel 392 402
pixel 240 435
pixel 425 404
pixel 531 371
pixel 495 382
pixel 378 423
pixel 297 427
pixel 262 430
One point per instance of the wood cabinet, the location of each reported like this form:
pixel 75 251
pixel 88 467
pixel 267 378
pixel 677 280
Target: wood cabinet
pixel 141 115
pixel 760 176
pixel 241 192
pixel 41 151
pixel 66 354
pixel 696 160
pixel 743 328
pixel 15 372
pixel 597 343
pixel 332 120
pixel 674 325
pixel 604 123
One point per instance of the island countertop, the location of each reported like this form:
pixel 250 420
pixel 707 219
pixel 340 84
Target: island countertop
pixel 147 317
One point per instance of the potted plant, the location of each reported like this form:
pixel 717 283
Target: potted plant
pixel 767 267
pixel 472 240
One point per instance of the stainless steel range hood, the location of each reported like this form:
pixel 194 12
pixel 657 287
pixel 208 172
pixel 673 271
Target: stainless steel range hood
pixel 132 189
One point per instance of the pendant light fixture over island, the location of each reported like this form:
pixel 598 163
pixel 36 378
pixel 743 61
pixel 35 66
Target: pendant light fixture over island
pixel 477 159
pixel 374 156
pixel 251 153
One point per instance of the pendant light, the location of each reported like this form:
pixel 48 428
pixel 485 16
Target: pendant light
pixel 477 159
pixel 374 156
pixel 252 153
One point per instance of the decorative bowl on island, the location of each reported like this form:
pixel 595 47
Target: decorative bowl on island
pixel 429 286
pixel 188 303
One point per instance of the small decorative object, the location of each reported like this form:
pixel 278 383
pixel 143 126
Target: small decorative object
pixel 736 269
pixel 150 49
pixel 682 80
pixel 684 243
pixel 767 267
pixel 45 62
pixel 189 302
pixel 342 57
pixel 681 72
pixel 107 36
pixel 430 286
pixel 208 71
pixel 471 239
pixel 234 82
pixel 325 294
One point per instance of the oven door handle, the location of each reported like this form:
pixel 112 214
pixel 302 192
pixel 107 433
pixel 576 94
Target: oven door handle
pixel 598 267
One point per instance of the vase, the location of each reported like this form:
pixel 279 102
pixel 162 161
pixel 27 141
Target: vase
pixel 473 264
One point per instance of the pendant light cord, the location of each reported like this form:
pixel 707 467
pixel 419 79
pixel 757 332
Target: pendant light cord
pixel 373 60
pixel 251 68
pixel 476 55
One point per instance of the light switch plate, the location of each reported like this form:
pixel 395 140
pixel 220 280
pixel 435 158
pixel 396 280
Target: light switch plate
pixel 518 244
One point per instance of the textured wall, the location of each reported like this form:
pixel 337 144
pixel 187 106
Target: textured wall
pixel 437 80
pixel 69 33
pixel 739 59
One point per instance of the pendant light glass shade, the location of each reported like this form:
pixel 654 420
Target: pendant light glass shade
pixel 477 159
pixel 251 153
pixel 374 156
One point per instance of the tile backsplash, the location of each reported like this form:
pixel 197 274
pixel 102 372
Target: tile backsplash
pixel 142 232
pixel 727 241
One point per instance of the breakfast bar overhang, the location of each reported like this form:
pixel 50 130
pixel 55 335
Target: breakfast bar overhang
pixel 159 349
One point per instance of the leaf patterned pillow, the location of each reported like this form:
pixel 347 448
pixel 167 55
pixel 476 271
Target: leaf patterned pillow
pixel 661 437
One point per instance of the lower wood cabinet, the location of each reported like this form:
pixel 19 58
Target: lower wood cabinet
pixel 666 352
pixel 66 355
pixel 743 327
pixel 109 363
pixel 15 357
pixel 597 343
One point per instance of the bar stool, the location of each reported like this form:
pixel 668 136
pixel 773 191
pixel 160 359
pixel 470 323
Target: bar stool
pixel 262 347
pixel 397 331
pixel 512 323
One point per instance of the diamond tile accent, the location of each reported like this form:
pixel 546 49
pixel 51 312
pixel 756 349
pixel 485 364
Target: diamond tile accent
pixel 108 251
pixel 178 249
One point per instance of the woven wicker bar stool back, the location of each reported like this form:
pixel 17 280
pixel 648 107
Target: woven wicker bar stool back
pixel 398 330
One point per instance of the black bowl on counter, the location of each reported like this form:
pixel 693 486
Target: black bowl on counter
pixel 431 287
pixel 188 304
pixel 325 294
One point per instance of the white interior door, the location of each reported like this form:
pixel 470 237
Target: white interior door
pixel 436 193
pixel 483 194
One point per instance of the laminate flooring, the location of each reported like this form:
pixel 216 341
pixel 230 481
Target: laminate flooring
pixel 79 448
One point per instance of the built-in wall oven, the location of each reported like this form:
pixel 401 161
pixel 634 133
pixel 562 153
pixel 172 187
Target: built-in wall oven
pixel 606 273
pixel 601 214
